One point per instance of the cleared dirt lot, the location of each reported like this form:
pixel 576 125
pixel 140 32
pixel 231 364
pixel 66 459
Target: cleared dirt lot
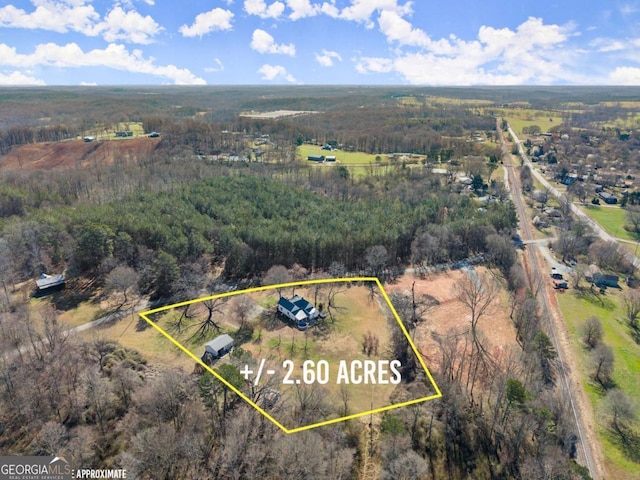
pixel 77 153
pixel 451 313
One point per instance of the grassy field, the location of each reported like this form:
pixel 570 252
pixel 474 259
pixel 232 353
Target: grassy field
pixel 346 158
pixel 612 219
pixel 431 100
pixel 153 346
pixel 520 118
pixel 626 376
pixel 276 341
pixel 360 164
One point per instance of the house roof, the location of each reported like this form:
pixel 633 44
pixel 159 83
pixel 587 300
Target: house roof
pixel 298 306
pixel 219 343
pixel 48 281
pixel 285 303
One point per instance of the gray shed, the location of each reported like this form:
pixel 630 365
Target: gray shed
pixel 219 346
pixel 45 281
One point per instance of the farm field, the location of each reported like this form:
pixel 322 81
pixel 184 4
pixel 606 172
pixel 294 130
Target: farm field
pixel 434 100
pixel 520 118
pixel 576 308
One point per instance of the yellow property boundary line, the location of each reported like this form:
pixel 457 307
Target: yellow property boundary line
pixel 438 394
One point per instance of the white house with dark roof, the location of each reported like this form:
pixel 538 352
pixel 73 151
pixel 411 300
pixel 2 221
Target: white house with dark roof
pixel 297 309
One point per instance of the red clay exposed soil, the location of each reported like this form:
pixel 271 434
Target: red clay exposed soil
pixel 76 153
pixel 452 314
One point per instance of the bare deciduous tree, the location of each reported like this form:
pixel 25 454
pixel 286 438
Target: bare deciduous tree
pixel 602 360
pixel 622 410
pixel 122 280
pixel 241 309
pixel 592 332
pixel 213 306
pixel 632 307
pixel 376 258
pixel 277 275
pixel 477 293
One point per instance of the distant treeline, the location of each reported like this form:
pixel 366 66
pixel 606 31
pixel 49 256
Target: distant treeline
pixel 371 129
pixel 21 135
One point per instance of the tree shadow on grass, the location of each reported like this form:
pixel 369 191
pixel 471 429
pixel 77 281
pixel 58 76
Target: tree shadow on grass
pixel 595 298
pixel 270 320
pixel 628 441
pixel 603 387
pixel 68 296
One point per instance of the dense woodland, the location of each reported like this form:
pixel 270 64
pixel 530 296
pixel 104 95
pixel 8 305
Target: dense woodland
pixel 173 220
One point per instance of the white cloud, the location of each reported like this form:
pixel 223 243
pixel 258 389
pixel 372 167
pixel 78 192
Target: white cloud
pixel 262 42
pixel 114 56
pixel 330 10
pixel 19 78
pixel 216 19
pixel 260 8
pixel 88 84
pixel 531 54
pixel 63 16
pixel 361 10
pixel 218 68
pixel 375 65
pixel 397 29
pixel 625 76
pixel 301 9
pixel 327 57
pixel 275 72
pixel 57 16
pixel 129 26
pixel 602 44
pixel 129 3
pixel 627 9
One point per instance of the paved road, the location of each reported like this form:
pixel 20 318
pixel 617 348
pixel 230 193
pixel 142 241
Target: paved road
pixel 538 278
pixel 577 211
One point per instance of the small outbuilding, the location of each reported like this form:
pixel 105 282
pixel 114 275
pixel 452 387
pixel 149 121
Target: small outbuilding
pixel 602 280
pixel 49 283
pixel 219 346
pixel 608 198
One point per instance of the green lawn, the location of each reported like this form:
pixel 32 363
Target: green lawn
pixel 346 158
pixel 609 309
pixel 612 219
pixel 360 164
pixel 520 118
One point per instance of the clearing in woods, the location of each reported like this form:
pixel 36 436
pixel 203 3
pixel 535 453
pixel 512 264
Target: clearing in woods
pixel 287 369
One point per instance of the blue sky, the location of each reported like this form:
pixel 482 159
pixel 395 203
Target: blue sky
pixel 225 42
